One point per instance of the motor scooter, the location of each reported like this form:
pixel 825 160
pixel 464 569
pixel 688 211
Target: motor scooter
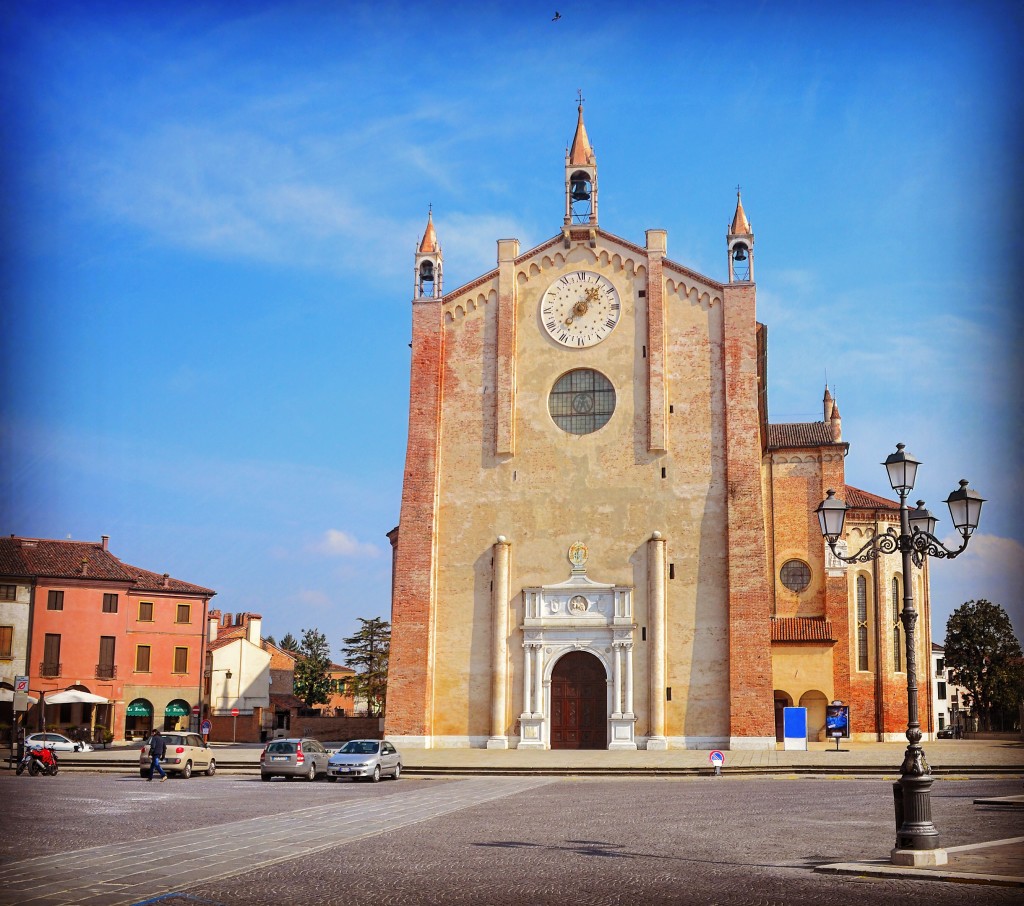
pixel 38 760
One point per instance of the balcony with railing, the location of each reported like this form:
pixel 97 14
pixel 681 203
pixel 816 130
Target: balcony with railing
pixel 106 671
pixel 49 668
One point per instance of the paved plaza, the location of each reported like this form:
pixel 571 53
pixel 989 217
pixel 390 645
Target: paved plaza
pixel 104 838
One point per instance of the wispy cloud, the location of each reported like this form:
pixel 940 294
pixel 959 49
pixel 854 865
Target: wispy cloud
pixel 336 543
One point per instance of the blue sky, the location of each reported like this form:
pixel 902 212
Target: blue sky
pixel 211 212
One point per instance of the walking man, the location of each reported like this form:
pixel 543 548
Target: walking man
pixel 157 750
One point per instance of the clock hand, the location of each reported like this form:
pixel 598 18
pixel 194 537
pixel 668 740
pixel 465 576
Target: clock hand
pixel 580 308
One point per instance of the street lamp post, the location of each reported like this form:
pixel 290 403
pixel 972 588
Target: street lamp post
pixel 917 840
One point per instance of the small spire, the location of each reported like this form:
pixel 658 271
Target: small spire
pixel 429 244
pixel 581 154
pixel 740 224
pixel 836 422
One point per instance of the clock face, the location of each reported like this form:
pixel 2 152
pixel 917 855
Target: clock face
pixel 580 309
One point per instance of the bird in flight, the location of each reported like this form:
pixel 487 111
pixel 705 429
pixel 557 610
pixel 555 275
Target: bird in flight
pixel 556 16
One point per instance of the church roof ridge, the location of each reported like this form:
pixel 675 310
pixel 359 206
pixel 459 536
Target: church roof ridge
pixel 801 434
pixel 558 238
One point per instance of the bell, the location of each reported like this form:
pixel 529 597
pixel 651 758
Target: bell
pixel 580 191
pixel 741 253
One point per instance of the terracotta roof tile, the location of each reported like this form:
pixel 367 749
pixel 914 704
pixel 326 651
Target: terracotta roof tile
pixel 286 700
pixel 856 499
pixel 802 629
pixel 800 434
pixel 53 559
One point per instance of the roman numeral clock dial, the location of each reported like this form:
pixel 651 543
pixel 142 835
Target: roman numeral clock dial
pixel 580 309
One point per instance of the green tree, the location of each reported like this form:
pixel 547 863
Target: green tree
pixel 367 652
pixel 270 639
pixel 984 657
pixel 289 642
pixel 313 669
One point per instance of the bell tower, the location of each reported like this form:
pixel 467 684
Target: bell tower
pixel 429 263
pixel 740 239
pixel 580 177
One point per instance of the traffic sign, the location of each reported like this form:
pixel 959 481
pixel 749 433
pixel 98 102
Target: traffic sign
pixel 717 758
pixel 21 684
pixel 195 710
pixel 234 712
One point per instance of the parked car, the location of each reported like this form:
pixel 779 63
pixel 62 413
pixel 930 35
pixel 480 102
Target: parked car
pixel 186 753
pixel 56 742
pixel 945 733
pixel 367 758
pixel 293 758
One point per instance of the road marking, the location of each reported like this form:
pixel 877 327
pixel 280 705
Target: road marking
pixel 145 871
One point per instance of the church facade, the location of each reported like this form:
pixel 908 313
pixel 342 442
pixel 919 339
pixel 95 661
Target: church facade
pixel 603 541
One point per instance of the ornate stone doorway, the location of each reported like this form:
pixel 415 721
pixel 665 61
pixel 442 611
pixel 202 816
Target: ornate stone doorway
pixel 579 703
pixel 578 663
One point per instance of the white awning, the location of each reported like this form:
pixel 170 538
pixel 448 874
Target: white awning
pixel 75 697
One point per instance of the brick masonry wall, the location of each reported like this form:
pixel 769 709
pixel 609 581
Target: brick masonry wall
pixel 750 675
pixel 412 605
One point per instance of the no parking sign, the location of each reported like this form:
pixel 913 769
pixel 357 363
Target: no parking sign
pixel 717 759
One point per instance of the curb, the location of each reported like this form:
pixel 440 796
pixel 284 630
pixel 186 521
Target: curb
pixel 885 870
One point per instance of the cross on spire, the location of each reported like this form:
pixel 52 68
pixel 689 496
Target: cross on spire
pixel 579 96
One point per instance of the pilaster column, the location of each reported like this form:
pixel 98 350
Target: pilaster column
pixel 617 681
pixel 499 642
pixel 538 681
pixel 527 677
pixel 656 555
pixel 628 709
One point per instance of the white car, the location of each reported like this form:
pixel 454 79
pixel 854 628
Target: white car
pixel 56 742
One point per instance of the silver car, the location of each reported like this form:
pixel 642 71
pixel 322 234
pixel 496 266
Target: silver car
pixel 367 758
pixel 289 758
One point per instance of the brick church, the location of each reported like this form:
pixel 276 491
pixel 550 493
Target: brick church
pixel 603 541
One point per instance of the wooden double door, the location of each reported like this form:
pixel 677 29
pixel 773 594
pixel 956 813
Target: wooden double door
pixel 579 703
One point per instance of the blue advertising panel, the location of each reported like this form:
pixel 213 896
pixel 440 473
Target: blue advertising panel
pixel 794 728
pixel 837 721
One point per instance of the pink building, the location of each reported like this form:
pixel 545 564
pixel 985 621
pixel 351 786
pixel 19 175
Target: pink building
pixel 107 628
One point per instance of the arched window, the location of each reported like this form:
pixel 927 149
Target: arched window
pixel 897 638
pixel 426 279
pixel 862 623
pixel 580 192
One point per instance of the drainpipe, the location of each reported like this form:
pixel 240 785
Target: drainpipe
pixel 204 629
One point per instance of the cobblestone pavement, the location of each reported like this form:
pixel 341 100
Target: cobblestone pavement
pixel 489 840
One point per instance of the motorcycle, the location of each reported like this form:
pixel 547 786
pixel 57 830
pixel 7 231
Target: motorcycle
pixel 38 760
